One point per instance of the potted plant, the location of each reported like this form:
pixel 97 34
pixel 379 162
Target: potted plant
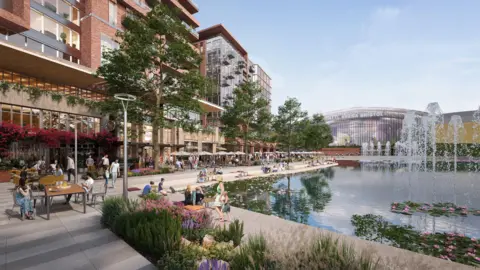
pixel 63 36
pixel 66 16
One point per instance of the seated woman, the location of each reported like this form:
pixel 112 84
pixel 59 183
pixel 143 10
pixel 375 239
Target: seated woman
pixel 22 197
pixel 188 196
pixel 199 196
pixel 219 171
pixel 58 170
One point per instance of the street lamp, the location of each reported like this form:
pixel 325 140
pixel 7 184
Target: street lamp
pixel 125 98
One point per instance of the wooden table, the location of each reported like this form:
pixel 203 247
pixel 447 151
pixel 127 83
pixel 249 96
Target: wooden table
pixel 73 189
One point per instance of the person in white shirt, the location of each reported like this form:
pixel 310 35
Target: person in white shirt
pixel 90 164
pixel 114 171
pixel 106 165
pixel 87 186
pixel 70 167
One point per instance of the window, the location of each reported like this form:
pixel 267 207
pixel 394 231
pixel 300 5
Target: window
pixel 112 13
pixel 107 44
pixel 75 40
pixel 64 10
pixel 51 5
pixel 75 16
pixel 49 28
pixel 36 20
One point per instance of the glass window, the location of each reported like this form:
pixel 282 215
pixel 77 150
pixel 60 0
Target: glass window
pixel 51 5
pixel 35 118
pixel 26 116
pixel 36 20
pixel 63 121
pixel 33 45
pixel 75 16
pixel 71 123
pixel 75 40
pixel 6 113
pixel 17 40
pixel 17 115
pixel 107 44
pixel 50 27
pixel 64 9
pixel 49 51
pixel 64 34
pixel 97 125
pixel 65 56
pixel 112 13
pixel 54 120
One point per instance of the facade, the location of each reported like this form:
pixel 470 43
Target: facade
pixel 226 63
pixel 363 125
pixel 55 46
pixel 264 81
pixel 469 131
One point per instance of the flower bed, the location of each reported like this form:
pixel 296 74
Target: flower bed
pixel 436 209
pixel 174 238
pixel 449 246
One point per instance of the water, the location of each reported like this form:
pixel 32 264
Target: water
pixel 328 199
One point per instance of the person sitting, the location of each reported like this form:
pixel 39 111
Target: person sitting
pixel 188 196
pixel 58 170
pixel 219 171
pixel 22 198
pixel 86 185
pixel 275 169
pixel 148 188
pixel 202 175
pixel 160 187
pixel 199 196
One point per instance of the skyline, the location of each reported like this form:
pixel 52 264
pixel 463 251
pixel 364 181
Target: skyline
pixel 402 54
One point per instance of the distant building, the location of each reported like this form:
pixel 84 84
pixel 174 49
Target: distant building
pixel 264 81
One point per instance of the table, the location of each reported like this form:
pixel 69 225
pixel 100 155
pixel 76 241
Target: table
pixel 73 189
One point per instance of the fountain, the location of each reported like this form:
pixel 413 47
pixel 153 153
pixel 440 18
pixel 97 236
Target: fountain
pixel 435 117
pixel 379 148
pixel 364 149
pixel 387 148
pixel 455 132
pixel 371 148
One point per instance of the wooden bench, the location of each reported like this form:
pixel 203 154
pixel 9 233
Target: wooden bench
pixel 194 207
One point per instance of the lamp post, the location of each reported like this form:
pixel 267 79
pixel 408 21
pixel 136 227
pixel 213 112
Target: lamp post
pixel 125 98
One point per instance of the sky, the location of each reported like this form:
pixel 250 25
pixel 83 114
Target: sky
pixel 338 54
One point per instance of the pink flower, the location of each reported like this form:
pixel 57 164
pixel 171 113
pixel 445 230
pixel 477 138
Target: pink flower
pixel 473 239
pixel 448 250
pixel 393 207
pixel 451 209
pixel 451 247
pixel 461 235
pixel 436 246
pixel 477 258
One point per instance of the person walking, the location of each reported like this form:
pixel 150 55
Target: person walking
pixel 106 166
pixel 70 167
pixel 114 171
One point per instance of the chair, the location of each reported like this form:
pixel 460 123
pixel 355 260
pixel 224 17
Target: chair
pixel 50 180
pixel 14 194
pixel 36 194
pixel 98 193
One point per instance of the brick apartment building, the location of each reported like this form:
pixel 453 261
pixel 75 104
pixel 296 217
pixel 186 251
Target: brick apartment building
pixel 56 46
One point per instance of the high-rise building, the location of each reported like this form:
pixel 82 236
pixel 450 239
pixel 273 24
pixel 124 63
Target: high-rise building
pixel 264 81
pixel 55 47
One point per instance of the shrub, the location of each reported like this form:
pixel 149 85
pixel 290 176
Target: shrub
pixel 183 259
pixel 253 255
pixel 195 235
pixel 152 233
pixel 152 196
pixel 234 233
pixel 111 209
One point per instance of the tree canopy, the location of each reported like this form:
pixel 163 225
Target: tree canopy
pixel 156 63
pixel 246 113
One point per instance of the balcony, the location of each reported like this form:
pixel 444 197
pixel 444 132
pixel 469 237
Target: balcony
pixel 230 55
pixel 251 69
pixel 189 5
pixel 225 61
pixel 225 84
pixel 238 71
pixel 230 76
pixel 184 14
pixel 193 36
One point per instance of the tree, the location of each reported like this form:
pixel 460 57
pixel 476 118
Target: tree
pixel 290 115
pixel 246 112
pixel 156 63
pixel 316 133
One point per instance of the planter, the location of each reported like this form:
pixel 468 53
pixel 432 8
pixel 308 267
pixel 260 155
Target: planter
pixel 4 176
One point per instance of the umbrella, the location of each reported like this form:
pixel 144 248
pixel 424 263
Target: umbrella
pixel 221 153
pixel 204 153
pixel 239 153
pixel 181 153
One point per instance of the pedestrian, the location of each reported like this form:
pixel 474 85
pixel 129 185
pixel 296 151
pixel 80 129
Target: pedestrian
pixel 105 165
pixel 90 164
pixel 70 167
pixel 114 171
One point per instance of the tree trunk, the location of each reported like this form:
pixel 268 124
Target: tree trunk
pixel 245 144
pixel 158 115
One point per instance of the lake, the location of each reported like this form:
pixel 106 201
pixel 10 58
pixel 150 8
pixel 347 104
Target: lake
pixel 329 198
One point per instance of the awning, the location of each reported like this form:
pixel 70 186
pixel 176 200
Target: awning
pixel 39 65
pixel 209 107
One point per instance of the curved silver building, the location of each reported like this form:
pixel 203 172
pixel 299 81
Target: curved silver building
pixel 359 125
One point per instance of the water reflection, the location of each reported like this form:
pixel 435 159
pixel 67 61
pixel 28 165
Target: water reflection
pixel 329 198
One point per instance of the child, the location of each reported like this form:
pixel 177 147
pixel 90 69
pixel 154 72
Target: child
pixel 226 205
